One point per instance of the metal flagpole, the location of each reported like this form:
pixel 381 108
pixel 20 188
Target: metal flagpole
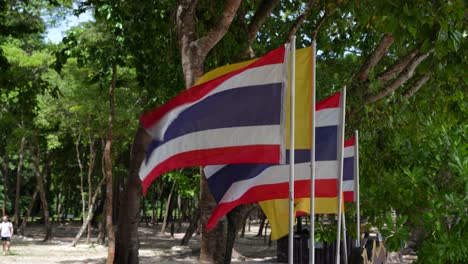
pixel 312 163
pixel 291 151
pixel 345 242
pixel 340 179
pixel 356 189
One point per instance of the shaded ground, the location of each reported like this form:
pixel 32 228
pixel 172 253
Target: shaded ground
pixel 154 248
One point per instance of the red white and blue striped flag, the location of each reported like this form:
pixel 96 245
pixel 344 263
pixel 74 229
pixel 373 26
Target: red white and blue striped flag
pixel 348 170
pixel 235 118
pixel 233 185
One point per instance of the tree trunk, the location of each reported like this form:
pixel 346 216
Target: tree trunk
pixel 42 191
pixel 5 180
pixel 80 165
pixel 90 215
pixel 58 207
pixel 28 213
pixel 234 224
pixel 213 243
pixel 108 169
pixel 91 162
pixel 191 229
pixel 127 230
pixel 262 224
pixel 193 54
pixel 230 238
pixel 155 218
pixel 18 182
pixel 168 208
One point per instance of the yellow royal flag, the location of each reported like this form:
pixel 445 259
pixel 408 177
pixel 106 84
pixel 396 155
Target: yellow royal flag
pixel 277 212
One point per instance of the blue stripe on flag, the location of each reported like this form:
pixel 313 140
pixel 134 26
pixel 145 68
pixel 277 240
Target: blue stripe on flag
pixel 348 169
pixel 326 143
pixel 222 110
pixel 220 182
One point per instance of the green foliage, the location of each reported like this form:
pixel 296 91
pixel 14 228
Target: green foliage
pixel 325 232
pixel 394 231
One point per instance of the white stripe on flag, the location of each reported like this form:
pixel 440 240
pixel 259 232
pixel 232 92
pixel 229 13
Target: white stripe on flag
pixel 348 185
pixel 348 152
pixel 327 117
pixel 213 138
pixel 212 169
pixel 280 174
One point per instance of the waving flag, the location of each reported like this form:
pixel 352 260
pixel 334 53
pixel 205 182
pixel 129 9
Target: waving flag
pixel 232 185
pixel 348 170
pixel 237 117
pixel 277 210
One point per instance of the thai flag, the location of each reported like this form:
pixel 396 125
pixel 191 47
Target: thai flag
pixel 348 169
pixel 233 185
pixel 235 118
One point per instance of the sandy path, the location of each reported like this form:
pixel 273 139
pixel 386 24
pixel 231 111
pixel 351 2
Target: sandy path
pixel 154 248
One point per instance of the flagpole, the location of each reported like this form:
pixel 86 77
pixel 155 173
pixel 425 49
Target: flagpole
pixel 312 162
pixel 345 242
pixel 340 179
pixel 356 189
pixel 291 152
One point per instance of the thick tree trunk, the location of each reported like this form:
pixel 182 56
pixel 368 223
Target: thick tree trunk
pixel 168 208
pixel 90 215
pixel 28 213
pixel 108 169
pixel 42 191
pixel 213 243
pixel 127 229
pixel 193 54
pixel 18 181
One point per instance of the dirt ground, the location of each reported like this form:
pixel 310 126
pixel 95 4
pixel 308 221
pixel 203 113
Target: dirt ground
pixel 154 248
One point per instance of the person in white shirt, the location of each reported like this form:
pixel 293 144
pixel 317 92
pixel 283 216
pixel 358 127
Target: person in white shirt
pixel 6 230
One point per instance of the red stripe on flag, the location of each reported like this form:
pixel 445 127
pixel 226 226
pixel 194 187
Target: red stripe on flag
pixel 195 93
pixel 348 196
pixel 324 188
pixel 203 157
pixel 350 142
pixel 330 102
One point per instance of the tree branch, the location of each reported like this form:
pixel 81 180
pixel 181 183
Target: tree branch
pixel 264 10
pixel 185 22
pixel 297 24
pixel 206 43
pixel 320 23
pixel 375 57
pixel 397 67
pixel 402 78
pixel 417 85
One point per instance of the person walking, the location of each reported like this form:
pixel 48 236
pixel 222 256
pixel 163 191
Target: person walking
pixel 6 230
